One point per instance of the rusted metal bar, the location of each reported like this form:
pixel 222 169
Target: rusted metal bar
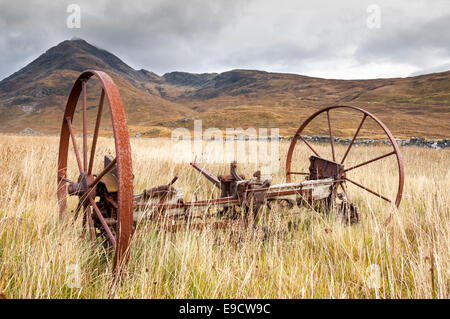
pixel 296 173
pixel 103 173
pixel 233 172
pixel 210 177
pixel 331 136
pixel 353 139
pixel 96 130
pixel 200 203
pixel 372 160
pixel 163 197
pixel 104 223
pixel 300 186
pixel 88 213
pixel 368 189
pixel 309 145
pixel 212 202
pixel 84 126
pixel 74 143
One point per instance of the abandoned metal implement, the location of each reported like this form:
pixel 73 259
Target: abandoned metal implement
pixel 109 208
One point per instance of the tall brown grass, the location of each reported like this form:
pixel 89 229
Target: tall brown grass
pixel 306 255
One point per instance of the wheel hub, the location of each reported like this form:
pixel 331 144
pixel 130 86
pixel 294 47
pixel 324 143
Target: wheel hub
pixel 81 188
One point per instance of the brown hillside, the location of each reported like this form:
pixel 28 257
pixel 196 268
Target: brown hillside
pixel 34 97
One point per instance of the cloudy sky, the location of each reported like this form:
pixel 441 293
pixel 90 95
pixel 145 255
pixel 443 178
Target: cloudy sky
pixel 331 39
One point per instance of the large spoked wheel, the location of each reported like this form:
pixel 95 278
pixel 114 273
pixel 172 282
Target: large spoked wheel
pixel 104 196
pixel 371 166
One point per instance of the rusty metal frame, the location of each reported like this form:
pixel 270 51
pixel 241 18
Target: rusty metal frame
pixel 235 189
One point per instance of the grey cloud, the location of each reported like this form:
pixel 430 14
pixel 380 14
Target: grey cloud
pixel 414 42
pixel 213 36
pixel 434 69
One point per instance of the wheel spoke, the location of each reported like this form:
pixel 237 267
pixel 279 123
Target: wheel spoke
pixel 77 211
pixel 372 160
pixel 309 145
pixel 84 127
pixel 91 223
pixel 342 185
pixel 103 173
pixel 97 126
pixel 74 143
pixel 331 136
pixel 368 189
pixel 83 232
pixel 103 222
pixel 353 139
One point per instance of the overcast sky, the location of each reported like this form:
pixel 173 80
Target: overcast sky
pixel 331 39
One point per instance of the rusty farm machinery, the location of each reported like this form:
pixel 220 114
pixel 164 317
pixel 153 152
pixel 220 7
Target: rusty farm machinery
pixel 110 209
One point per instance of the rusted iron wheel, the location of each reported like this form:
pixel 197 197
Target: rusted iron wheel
pixel 116 222
pixel 364 116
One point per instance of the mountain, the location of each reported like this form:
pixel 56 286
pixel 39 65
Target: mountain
pixel 35 97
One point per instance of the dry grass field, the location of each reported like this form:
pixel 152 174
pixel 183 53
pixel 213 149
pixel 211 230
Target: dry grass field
pixel 306 255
